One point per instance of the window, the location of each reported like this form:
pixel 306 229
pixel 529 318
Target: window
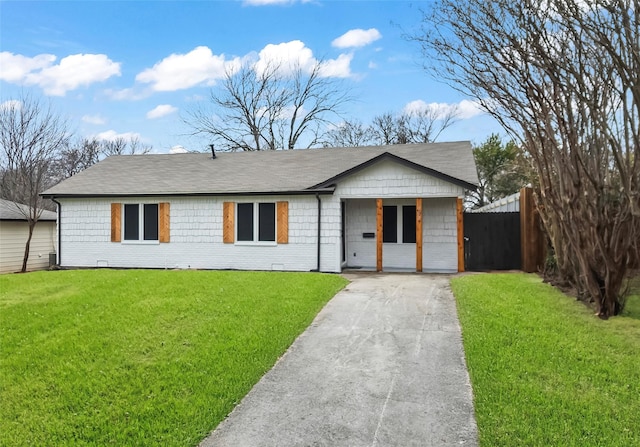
pixel 393 222
pixel 141 218
pixel 389 223
pixel 267 222
pixel 256 222
pixel 409 224
pixel 245 221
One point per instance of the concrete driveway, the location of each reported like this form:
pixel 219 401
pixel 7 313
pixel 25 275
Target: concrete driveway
pixel 381 365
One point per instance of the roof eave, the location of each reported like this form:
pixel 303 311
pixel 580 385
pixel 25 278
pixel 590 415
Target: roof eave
pixel 327 190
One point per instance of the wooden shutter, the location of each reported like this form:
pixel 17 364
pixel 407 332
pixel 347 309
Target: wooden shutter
pixel 282 214
pixel 228 223
pixel 165 213
pixel 116 222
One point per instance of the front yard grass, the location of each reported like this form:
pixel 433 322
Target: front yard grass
pixel 141 357
pixel 545 371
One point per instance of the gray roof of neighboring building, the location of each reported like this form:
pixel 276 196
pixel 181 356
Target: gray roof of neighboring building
pixel 296 171
pixel 16 211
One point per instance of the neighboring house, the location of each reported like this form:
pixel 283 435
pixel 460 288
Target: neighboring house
pixel 14 231
pixel 382 208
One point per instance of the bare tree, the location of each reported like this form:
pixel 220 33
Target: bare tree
pixel 384 129
pixel 79 155
pixel 349 133
pixel 426 125
pixel 124 146
pixel 562 75
pixel 31 136
pixel 76 157
pixel 269 109
pixel 418 126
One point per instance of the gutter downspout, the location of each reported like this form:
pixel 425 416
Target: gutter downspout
pixel 59 247
pixel 319 231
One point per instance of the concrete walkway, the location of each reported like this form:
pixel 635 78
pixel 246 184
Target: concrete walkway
pixel 381 365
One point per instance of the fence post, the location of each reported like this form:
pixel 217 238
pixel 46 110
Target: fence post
pixel 532 248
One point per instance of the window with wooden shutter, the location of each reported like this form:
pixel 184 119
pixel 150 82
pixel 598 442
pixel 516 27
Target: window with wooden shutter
pixel 164 215
pixel 228 222
pixel 116 225
pixel 140 222
pixel 283 222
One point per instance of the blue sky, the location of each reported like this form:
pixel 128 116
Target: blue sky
pixel 122 68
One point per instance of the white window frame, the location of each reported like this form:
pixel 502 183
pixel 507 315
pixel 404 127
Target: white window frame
pixel 400 226
pixel 256 224
pixel 140 240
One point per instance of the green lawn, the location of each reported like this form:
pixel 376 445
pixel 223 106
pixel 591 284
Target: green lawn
pixel 545 371
pixel 135 357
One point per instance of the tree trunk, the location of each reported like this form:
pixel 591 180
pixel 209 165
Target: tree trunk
pixel 27 246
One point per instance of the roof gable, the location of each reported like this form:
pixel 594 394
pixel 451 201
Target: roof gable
pixel 402 161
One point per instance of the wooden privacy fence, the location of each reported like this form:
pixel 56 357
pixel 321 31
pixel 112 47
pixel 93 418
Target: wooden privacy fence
pixel 505 240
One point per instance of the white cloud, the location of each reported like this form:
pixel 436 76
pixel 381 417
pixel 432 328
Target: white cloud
pixel 293 55
pixel 181 71
pixel 15 67
pixel 112 135
pixel 72 72
pixel 287 56
pixel 357 38
pixel 465 109
pixel 201 67
pixel 161 110
pixel 93 119
pixel 337 68
pixel 178 149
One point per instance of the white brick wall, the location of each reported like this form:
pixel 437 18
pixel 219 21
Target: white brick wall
pixel 196 237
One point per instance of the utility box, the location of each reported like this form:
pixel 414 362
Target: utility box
pixel 53 258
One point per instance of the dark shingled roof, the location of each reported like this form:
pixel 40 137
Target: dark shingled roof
pixel 296 171
pixel 16 211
